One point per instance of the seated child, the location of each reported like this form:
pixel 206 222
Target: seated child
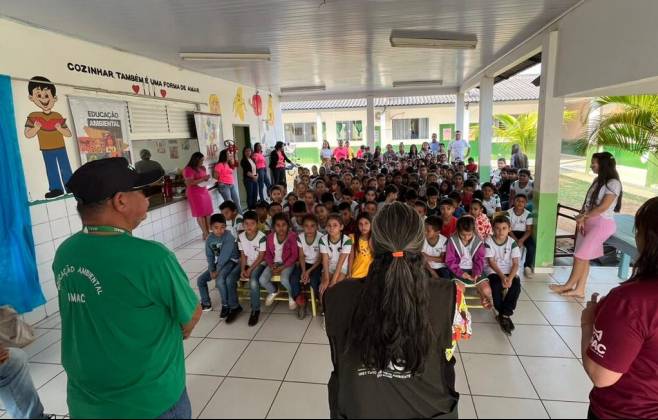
pixel 503 255
pixel 421 209
pixel 233 218
pixel 329 202
pixel 335 249
pixel 322 215
pixel 433 202
pixel 434 248
pixel 309 199
pixel 465 257
pixel 362 254
pixel 310 261
pixel 371 209
pixel 281 255
pixel 291 199
pixel 264 221
pixel 482 223
pixel 457 204
pixel 449 222
pixel 276 194
pixel 490 200
pixel 298 213
pixel 349 224
pixel 252 244
pixel 223 266
pixel 497 174
pixel 467 195
pixel 522 227
pixel 472 167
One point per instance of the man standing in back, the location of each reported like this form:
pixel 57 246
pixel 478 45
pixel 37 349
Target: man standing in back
pixel 459 149
pixel 126 303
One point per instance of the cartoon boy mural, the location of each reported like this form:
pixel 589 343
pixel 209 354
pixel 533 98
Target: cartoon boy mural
pixel 50 128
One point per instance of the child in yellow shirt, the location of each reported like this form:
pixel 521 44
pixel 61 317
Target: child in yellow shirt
pixel 362 254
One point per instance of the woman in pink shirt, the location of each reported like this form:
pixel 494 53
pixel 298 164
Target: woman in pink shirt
pixel 225 179
pixel 261 170
pixel 340 152
pixel 198 195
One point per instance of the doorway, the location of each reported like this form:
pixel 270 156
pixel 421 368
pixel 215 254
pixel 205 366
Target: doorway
pixel 242 139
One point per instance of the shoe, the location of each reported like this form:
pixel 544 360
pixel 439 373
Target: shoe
pixel 269 300
pixel 206 308
pixel 225 312
pixel 253 318
pixel 505 325
pixel 528 272
pixel 301 307
pixel 54 193
pixel 511 324
pixel 291 304
pixel 233 314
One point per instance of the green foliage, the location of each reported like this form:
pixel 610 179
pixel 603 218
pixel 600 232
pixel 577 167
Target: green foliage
pixel 522 129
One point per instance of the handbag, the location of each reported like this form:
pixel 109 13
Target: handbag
pixel 14 332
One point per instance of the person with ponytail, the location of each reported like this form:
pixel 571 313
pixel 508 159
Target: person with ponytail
pixel 595 224
pixel 389 335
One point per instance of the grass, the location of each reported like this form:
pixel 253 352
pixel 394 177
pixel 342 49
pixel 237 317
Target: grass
pixel 573 191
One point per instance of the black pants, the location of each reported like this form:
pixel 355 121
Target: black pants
pixel 279 176
pixel 530 249
pixel 505 305
pixel 443 273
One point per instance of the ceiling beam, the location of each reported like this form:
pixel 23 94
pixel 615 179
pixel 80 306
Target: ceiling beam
pixel 388 93
pixel 524 50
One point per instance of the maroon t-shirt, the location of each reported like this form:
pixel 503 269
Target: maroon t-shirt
pixel 625 340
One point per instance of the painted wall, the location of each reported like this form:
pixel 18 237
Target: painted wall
pixel 607 43
pixel 18 43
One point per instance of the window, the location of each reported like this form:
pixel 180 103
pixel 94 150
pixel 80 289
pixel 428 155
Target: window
pixel 411 129
pixel 349 130
pixel 300 132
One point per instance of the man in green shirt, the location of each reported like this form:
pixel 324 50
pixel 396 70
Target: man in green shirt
pixel 126 304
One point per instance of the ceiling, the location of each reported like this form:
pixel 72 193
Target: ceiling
pixel 343 44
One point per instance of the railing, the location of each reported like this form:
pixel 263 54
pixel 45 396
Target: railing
pixel 569 213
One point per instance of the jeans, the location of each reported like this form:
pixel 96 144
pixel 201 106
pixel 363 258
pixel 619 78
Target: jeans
pixel 230 193
pixel 57 162
pixel 227 284
pixel 254 287
pixel 181 410
pixel 263 181
pixel 266 279
pixel 505 305
pixel 252 193
pixel 530 250
pixel 280 177
pixel 17 391
pixel 316 278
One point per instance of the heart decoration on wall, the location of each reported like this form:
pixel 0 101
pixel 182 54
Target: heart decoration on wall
pixel 136 89
pixel 163 93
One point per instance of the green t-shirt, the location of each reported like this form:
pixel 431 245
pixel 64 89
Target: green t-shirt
pixel 122 301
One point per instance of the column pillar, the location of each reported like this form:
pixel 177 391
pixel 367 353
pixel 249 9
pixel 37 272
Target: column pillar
pixel 370 123
pixel 318 129
pixel 460 111
pixel 383 139
pixel 486 126
pixel 549 145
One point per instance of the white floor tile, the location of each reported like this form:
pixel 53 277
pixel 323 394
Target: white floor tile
pixel 283 328
pixel 461 383
pixel 561 313
pixel 190 344
pixel 466 407
pixel 265 360
pixel 312 363
pixel 566 410
pixel 53 396
pixel 52 354
pixel 42 373
pixel 483 316
pixel 215 357
pixel 509 408
pixel 527 313
pixel 184 254
pixel 195 266
pixel 281 307
pixel 539 340
pixel 43 342
pixel 53 321
pixel 198 255
pixel 572 336
pixel 200 389
pixel 300 401
pixel 487 338
pixel 242 399
pixel 541 292
pixel 485 373
pixel 207 323
pixel 315 333
pixel 558 379
pixel 239 329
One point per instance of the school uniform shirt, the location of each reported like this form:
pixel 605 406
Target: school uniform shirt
pixel 527 190
pixel 496 176
pixel 235 226
pixel 362 259
pixel 312 249
pixel 492 204
pixel 252 247
pixel 436 250
pixel 520 223
pixel 297 227
pixel 278 250
pixel 503 254
pixel 335 250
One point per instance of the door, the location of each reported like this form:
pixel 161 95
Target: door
pixel 242 138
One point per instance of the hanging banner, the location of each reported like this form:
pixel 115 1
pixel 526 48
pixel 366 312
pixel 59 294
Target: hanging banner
pixel 101 127
pixel 209 133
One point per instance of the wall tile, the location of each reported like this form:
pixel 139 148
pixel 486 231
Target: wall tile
pixel 71 206
pixel 49 290
pixel 57 209
pixel 39 214
pixel 38 314
pixel 45 252
pixel 75 223
pixel 60 228
pixel 41 233
pixel 52 307
pixel 58 242
pixel 45 271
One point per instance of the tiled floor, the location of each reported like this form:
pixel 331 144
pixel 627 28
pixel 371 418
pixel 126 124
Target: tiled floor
pixel 279 369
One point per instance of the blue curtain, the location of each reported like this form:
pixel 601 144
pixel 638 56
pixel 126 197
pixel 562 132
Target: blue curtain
pixel 19 280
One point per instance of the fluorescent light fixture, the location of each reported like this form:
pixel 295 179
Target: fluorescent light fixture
pixel 297 89
pixel 432 39
pixel 417 83
pixel 235 56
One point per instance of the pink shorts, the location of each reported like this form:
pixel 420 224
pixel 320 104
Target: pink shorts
pixel 597 231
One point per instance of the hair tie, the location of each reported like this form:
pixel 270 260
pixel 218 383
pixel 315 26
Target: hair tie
pixel 398 254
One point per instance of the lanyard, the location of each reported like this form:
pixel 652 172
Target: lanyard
pixel 104 229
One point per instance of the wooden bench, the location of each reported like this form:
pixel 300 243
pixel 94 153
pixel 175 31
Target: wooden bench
pixel 624 241
pixel 570 213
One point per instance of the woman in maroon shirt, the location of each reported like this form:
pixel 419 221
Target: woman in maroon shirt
pixel 620 334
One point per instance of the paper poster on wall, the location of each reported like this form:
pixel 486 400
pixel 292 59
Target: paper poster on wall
pixel 447 133
pixel 239 106
pixel 50 129
pixel 101 127
pixel 270 111
pixel 209 132
pixel 173 149
pixel 186 144
pixel 161 147
pixel 214 106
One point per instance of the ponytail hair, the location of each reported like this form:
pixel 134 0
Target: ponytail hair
pixel 391 325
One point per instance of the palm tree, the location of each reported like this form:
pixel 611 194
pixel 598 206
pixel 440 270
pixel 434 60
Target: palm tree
pixel 522 129
pixel 632 128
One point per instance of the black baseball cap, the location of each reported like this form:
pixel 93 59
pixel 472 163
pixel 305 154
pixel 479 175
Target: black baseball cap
pixel 101 179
